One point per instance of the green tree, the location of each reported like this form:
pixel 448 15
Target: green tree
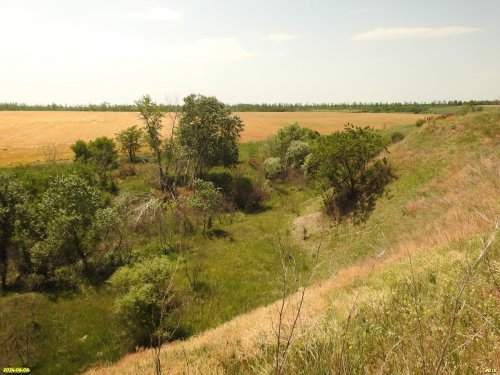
pixel 342 158
pixel 207 200
pixel 72 222
pixel 103 153
pixel 81 150
pixel 208 132
pixel 130 141
pixel 12 198
pixel 151 114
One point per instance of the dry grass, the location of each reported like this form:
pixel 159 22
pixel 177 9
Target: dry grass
pixel 27 136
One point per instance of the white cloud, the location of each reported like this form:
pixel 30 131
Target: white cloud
pixel 281 37
pixel 387 33
pixel 211 50
pixel 155 14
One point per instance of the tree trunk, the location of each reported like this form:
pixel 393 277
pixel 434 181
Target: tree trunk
pixel 162 175
pixel 80 252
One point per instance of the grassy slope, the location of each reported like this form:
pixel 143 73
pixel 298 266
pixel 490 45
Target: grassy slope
pixel 437 210
pixel 74 330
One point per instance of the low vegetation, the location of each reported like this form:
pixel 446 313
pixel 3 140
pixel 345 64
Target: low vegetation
pixel 186 230
pixel 425 300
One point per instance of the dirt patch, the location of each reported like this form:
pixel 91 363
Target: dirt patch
pixel 309 226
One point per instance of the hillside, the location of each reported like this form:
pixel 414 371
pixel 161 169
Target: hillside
pixel 413 289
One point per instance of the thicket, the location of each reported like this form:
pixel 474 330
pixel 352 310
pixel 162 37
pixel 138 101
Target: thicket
pixel 343 165
pixel 287 150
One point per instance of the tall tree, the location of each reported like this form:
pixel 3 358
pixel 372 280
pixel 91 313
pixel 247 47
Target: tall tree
pixel 11 199
pixel 208 132
pixel 130 141
pixel 151 114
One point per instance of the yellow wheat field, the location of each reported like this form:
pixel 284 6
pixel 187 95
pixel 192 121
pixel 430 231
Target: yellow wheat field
pixel 44 136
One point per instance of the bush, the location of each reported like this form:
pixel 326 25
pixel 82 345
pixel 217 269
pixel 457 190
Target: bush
pixel 397 137
pixel 279 144
pixel 246 196
pixel 371 185
pixel 469 108
pixel 273 167
pixel 81 150
pixel 297 152
pixel 419 123
pixel 141 288
pixel 239 191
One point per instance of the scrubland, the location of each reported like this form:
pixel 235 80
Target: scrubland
pixel 414 289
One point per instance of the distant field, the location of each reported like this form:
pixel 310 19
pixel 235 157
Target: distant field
pixel 41 136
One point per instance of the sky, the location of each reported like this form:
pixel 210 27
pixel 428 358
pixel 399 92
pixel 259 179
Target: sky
pixel 259 51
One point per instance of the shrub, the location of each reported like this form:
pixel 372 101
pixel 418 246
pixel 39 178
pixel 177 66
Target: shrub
pixel 371 185
pixel 310 165
pixel 297 152
pixel 206 201
pixel 246 196
pixel 273 167
pixel 81 150
pixel 277 145
pixel 469 108
pixel 419 123
pixel 141 288
pixel 130 141
pixel 344 156
pixel 397 137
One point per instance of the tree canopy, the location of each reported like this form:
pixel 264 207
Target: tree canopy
pixel 130 141
pixel 208 132
pixel 151 114
pixel 342 157
pixel 72 220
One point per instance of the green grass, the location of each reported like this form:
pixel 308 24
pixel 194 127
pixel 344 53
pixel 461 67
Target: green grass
pixel 401 320
pixel 240 275
pixel 71 331
pixel 249 150
pixel 384 334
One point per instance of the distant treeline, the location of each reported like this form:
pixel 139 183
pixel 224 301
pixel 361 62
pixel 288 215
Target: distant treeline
pixel 413 107
pixel 103 107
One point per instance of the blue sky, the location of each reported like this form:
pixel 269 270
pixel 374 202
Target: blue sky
pixel 77 52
